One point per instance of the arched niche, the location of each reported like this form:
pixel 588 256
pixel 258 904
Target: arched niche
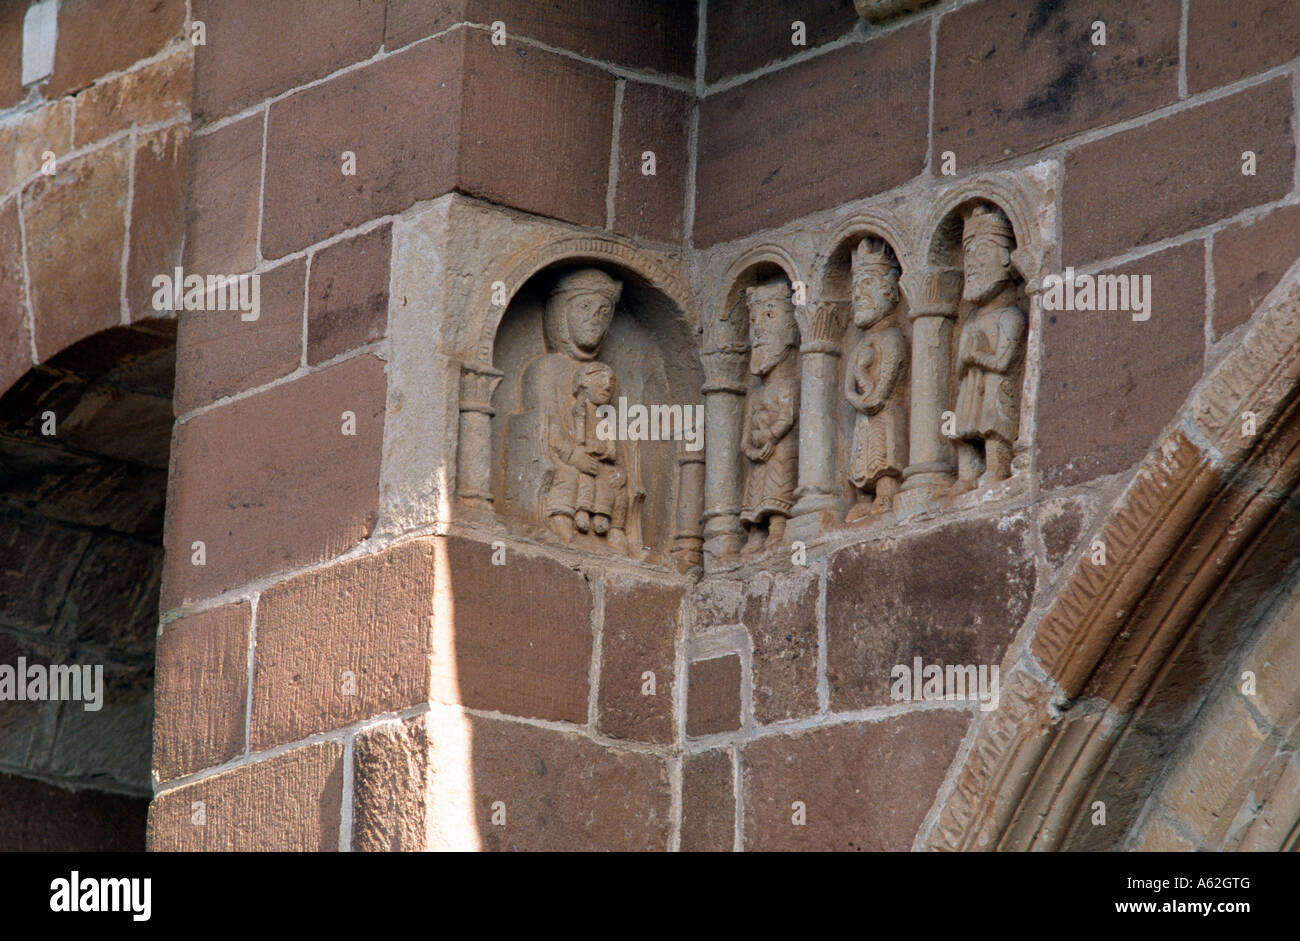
pixel 649 347
pixel 883 237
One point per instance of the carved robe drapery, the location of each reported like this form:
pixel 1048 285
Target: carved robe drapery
pixel 988 391
pixel 875 372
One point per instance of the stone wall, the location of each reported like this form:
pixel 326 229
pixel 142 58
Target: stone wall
pixel 364 646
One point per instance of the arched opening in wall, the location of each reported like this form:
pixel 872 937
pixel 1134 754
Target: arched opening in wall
pixel 85 439
pixel 585 351
pixel 862 273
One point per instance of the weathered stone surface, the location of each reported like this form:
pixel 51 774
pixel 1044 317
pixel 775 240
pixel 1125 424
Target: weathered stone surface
pixel 113 598
pixel 1228 41
pixel 86 49
pixel 708 803
pixel 390 782
pixel 1060 524
pixel 654 119
pixel 781 614
pixel 955 595
pixel 39 817
pixel 561 791
pixel 113 743
pixel 39 559
pixel 256 50
pixel 400 117
pixel 717 602
pixel 639 636
pixel 1009 79
pixel 343 643
pixel 302 495
pixel 713 696
pixel 219 353
pixel 151 94
pixel 348 294
pixel 11 54
pixel 1249 260
pixel 157 215
pixel 867 103
pixel 1225 747
pixel 744 35
pixel 24 142
pixel 27 727
pixel 1276 664
pixel 201 697
pixel 863 786
pixel 1113 202
pixel 75 222
pixel 225 199
pixel 535 131
pixel 289 803
pixel 1107 388
pixel 519 637
pixel 15 339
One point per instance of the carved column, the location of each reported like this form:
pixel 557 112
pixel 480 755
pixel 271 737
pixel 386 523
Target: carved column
pixel 725 384
pixel 474 448
pixel 821 327
pixel 932 295
pixel 687 539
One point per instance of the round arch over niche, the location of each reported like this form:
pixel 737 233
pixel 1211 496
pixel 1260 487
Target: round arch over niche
pixel 937 231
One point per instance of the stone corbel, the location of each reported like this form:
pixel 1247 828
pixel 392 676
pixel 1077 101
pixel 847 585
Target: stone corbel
pixel 932 295
pixel 821 329
pixel 474 449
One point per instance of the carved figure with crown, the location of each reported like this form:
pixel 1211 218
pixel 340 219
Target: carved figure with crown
pixel 875 382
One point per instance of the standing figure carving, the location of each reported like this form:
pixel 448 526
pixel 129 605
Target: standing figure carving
pixel 585 486
pixel 989 352
pixel 770 440
pixel 875 383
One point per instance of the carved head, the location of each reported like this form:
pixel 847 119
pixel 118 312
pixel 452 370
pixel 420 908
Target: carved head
pixel 772 329
pixel 875 282
pixel 578 312
pixel 987 240
pixel 596 380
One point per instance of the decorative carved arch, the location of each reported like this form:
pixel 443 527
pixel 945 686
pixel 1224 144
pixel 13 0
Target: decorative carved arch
pixel 1029 256
pixel 476 349
pixel 719 332
pixel 1197 506
pixel 871 222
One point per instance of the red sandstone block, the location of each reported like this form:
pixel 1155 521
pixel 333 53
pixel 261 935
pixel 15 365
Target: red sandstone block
pixel 1177 173
pixel 201 691
pixel 257 49
pixel 75 224
pixel 15 340
pixel 25 141
pixel 558 791
pixel 289 803
pixel 1249 260
pixel 639 637
pixel 654 119
pixel 390 785
pixel 708 803
pixel 1109 383
pixel 272 482
pixel 408 21
pixel 868 104
pixel 343 643
pixel 151 94
pixel 536 131
pixel 11 54
pixel 96 37
pixel 1228 41
pixel 1009 79
pixel 218 353
pixel 713 696
pixel 519 639
pixel 781 615
pixel 857 786
pixel 400 117
pixel 746 34
pixel 956 595
pixel 157 214
pixel 348 294
pixel 224 199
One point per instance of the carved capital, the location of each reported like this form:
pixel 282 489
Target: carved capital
pixel 931 291
pixel 725 370
pixel 477 386
pixel 821 326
